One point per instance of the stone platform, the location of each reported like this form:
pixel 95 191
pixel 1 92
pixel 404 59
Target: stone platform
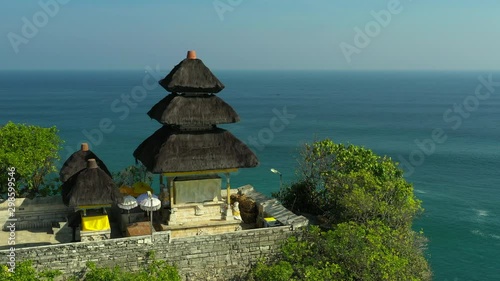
pixel 203 228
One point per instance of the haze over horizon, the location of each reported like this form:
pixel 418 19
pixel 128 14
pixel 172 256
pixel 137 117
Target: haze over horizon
pixel 252 35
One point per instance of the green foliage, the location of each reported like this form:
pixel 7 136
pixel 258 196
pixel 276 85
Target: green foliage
pixel 51 186
pixel 369 208
pixel 374 251
pixel 352 251
pixel 156 270
pixel 33 151
pixel 281 271
pixel 24 271
pixel 95 273
pixel 133 174
pixel 350 183
pixel 301 197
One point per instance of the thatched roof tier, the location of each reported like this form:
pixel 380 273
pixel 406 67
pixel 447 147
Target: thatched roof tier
pixel 90 186
pixel 191 76
pixel 78 161
pixel 170 150
pixel 193 110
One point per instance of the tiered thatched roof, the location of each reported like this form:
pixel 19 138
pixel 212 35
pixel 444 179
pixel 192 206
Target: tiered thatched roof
pixel 78 161
pixel 191 76
pixel 189 140
pixel 90 186
pixel 193 110
pixel 170 150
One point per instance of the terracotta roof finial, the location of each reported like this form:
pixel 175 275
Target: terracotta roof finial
pixel 91 164
pixel 85 146
pixel 191 55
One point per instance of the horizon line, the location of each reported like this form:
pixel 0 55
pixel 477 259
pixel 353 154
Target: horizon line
pixel 229 69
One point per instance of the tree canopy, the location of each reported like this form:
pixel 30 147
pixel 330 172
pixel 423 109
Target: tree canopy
pixel 351 183
pixel 370 251
pixel 33 152
pixel 366 209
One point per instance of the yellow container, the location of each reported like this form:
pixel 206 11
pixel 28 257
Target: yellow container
pixel 271 221
pixel 95 223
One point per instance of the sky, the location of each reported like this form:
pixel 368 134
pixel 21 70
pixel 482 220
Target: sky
pixel 251 34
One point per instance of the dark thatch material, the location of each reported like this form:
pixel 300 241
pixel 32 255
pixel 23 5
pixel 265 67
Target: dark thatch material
pixel 168 150
pixel 91 186
pixel 193 110
pixel 191 76
pixel 77 162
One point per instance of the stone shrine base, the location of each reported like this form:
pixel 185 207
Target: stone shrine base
pixel 205 227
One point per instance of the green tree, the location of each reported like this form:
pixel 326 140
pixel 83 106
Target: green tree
pixel 346 183
pixel 133 174
pixel 368 208
pixel 24 271
pixel 369 251
pixel 281 271
pixel 155 270
pixel 33 152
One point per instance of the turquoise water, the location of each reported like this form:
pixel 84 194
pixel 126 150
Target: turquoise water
pixel 386 111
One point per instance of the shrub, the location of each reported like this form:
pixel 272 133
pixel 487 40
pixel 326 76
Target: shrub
pixel 156 270
pixel 350 183
pixel 33 152
pixel 24 271
pixel 352 251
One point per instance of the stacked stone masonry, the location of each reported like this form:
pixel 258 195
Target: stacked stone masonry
pixel 225 256
pixel 221 256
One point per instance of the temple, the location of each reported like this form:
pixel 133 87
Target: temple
pixel 192 152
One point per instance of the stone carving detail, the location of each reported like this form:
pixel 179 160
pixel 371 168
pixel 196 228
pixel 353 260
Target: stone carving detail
pixel 97 237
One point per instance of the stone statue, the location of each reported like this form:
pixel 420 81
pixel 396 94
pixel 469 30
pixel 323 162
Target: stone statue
pixel 164 196
pixel 236 211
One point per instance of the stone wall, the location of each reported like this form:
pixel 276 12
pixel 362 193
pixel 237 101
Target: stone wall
pixel 271 207
pixel 222 256
pixel 34 213
pixel 225 256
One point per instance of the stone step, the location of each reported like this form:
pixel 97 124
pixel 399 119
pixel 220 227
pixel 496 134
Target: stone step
pixel 62 228
pixel 28 225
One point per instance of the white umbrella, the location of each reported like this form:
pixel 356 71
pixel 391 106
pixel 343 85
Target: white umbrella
pixel 150 204
pixel 143 196
pixel 129 203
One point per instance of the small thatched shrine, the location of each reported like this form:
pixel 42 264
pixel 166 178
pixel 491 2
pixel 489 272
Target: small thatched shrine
pixel 90 187
pixel 90 192
pixel 78 161
pixel 189 149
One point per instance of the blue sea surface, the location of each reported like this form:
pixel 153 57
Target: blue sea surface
pixel 456 177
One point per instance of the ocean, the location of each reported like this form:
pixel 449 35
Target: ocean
pixel 444 128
